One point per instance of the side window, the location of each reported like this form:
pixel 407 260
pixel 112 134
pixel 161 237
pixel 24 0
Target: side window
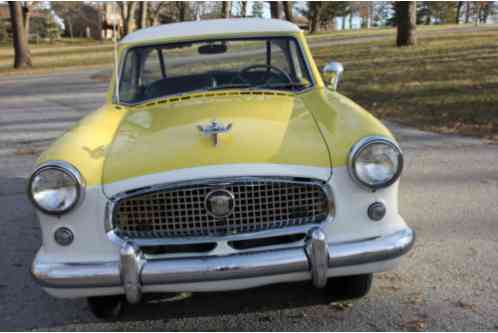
pixel 152 70
pixel 129 78
pixel 279 54
pixel 297 61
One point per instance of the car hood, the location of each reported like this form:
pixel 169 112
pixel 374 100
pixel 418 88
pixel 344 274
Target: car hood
pixel 162 138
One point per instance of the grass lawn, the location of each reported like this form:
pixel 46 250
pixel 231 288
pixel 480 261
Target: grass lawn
pixel 447 83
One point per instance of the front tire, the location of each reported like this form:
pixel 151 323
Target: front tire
pixel 106 307
pixel 348 287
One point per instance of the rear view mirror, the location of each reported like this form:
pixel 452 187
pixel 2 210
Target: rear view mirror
pixel 332 74
pixel 212 49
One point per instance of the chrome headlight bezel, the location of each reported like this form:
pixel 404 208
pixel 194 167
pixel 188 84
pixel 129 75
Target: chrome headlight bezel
pixel 362 145
pixel 67 169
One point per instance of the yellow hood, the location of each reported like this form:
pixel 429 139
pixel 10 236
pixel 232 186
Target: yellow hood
pixel 267 127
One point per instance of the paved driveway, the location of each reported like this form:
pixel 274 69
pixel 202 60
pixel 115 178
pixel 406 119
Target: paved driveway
pixel 448 282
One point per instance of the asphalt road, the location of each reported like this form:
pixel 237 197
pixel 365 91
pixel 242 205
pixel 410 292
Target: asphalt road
pixel 448 195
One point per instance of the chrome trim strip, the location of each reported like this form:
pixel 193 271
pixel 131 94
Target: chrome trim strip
pixel 377 249
pixel 113 235
pixel 219 268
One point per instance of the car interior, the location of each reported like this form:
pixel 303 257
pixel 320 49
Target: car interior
pixel 142 81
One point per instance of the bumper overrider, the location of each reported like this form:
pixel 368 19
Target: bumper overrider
pixel 133 270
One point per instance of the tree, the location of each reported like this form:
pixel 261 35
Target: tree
pixel 154 11
pixel 458 12
pixel 275 9
pixel 226 8
pixel 127 10
pixel 257 9
pixel 22 56
pixel 243 8
pixel 288 10
pixel 314 10
pixel 406 23
pixel 142 14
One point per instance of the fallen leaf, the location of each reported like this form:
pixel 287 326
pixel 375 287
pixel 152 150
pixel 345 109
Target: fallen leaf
pixel 415 325
pixel 466 306
pixel 25 151
pixel 341 306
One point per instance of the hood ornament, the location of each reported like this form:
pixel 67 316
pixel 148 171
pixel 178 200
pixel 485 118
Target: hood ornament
pixel 213 128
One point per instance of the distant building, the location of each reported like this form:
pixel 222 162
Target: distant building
pixel 4 11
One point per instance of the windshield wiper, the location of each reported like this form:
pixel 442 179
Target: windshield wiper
pixel 231 86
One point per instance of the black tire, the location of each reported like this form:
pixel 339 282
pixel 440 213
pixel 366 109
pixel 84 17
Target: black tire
pixel 348 287
pixel 106 307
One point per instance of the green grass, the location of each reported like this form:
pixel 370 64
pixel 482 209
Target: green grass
pixel 447 83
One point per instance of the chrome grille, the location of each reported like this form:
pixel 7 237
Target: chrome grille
pixel 259 205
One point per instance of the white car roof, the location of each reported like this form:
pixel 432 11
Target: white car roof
pixel 211 27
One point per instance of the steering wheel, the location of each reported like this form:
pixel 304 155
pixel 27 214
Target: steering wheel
pixel 244 71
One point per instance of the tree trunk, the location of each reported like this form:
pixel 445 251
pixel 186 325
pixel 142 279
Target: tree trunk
pixel 467 12
pixel 26 14
pixel 458 12
pixel 407 23
pixel 181 6
pixel 243 8
pixel 344 22
pixel 315 8
pixel 289 15
pixel 143 11
pixel 275 9
pixel 127 11
pixel 226 8
pixel 22 56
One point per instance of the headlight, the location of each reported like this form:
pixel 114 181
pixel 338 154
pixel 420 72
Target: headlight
pixel 375 162
pixel 55 187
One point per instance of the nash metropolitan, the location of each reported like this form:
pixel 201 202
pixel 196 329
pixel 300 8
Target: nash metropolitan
pixel 221 160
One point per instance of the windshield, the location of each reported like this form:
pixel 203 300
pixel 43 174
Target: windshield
pixel 171 69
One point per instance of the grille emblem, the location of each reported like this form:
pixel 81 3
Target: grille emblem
pixel 213 129
pixel 219 203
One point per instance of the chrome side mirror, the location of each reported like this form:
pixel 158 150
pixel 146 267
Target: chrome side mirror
pixel 332 73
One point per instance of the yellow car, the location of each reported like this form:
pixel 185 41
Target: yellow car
pixel 220 161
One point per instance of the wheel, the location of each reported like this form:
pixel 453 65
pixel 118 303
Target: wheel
pixel 106 307
pixel 348 287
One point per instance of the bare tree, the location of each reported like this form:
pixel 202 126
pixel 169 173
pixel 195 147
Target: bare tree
pixel 142 17
pixel 406 23
pixel 315 9
pixel 127 9
pixel 458 12
pixel 226 8
pixel 275 9
pixel 154 11
pixel 467 11
pixel 22 57
pixel 288 7
pixel 243 8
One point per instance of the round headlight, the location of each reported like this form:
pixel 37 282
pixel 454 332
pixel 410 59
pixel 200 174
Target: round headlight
pixel 55 187
pixel 375 162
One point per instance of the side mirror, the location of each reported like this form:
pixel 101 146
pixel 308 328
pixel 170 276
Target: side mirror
pixel 332 73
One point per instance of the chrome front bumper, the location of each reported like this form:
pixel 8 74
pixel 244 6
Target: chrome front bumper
pixel 134 271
